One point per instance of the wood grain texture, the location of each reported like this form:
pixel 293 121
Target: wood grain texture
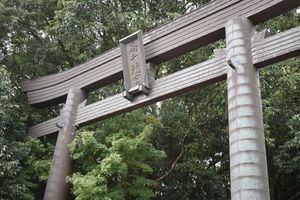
pixel 215 6
pixel 193 30
pixel 267 51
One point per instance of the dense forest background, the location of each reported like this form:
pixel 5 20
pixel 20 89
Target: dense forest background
pixel 176 149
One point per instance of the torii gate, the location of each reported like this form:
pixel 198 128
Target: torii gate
pixel 245 53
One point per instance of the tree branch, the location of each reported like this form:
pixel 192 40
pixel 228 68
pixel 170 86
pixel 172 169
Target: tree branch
pixel 178 157
pixel 191 124
pixel 63 49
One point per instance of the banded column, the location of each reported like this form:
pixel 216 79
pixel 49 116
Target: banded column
pixel 248 165
pixel 57 188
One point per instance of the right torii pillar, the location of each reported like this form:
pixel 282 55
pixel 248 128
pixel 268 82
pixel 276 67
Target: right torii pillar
pixel 248 164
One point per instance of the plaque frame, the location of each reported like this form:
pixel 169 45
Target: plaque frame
pixel 135 72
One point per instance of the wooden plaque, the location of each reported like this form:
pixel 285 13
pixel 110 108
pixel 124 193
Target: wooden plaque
pixel 134 65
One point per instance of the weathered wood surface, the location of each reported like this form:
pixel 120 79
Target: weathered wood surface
pixel 62 165
pixel 270 50
pixel 193 30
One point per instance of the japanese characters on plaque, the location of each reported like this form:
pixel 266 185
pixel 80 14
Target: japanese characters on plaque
pixel 133 63
pixel 134 66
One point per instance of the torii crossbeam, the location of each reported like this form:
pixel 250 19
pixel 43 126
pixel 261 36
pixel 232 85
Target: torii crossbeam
pixel 239 62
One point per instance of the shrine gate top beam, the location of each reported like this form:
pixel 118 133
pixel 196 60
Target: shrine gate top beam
pixel 191 31
pixel 264 51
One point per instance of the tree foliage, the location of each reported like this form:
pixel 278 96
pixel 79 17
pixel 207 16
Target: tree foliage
pixel 24 163
pixel 175 149
pixel 115 161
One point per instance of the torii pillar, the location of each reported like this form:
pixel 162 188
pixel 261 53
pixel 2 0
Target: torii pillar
pixel 248 165
pixel 57 188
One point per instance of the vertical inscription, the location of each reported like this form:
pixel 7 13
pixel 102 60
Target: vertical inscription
pixel 134 63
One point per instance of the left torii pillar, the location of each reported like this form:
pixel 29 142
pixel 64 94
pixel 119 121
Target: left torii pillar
pixel 57 188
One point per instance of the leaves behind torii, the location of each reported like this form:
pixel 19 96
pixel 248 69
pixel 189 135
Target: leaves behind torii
pixel 116 161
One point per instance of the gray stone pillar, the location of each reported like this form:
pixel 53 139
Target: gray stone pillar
pixel 248 165
pixel 57 188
